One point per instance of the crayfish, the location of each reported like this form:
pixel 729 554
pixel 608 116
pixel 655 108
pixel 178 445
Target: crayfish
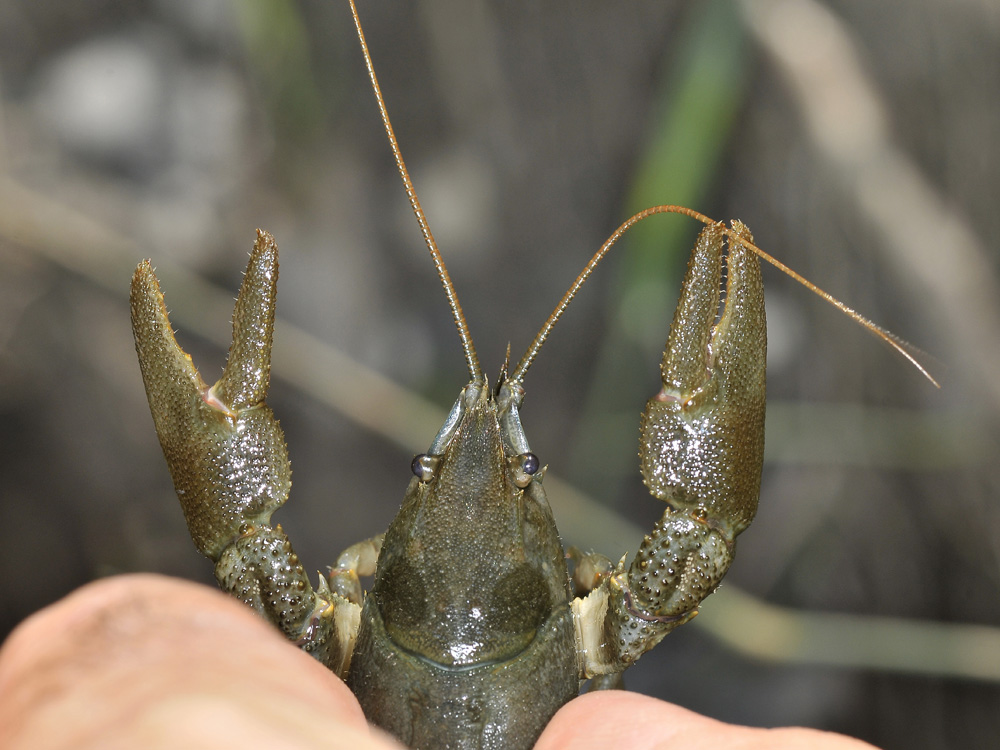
pixel 471 634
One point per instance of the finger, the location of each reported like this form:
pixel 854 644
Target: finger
pixel 168 373
pixel 146 661
pixel 248 369
pixel 685 366
pixel 618 719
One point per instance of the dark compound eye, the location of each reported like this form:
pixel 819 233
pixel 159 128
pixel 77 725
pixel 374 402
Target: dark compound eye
pixel 424 467
pixel 529 463
pixel 522 467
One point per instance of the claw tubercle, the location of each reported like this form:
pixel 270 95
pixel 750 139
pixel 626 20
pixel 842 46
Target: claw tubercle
pixel 210 397
pixel 687 401
pixel 670 398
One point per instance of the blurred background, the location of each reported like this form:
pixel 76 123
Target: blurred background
pixel 858 140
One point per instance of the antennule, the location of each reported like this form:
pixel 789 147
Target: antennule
pixel 468 348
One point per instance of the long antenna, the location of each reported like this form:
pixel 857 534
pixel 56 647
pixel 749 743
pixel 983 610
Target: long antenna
pixel 472 360
pixel 469 349
pixel 902 347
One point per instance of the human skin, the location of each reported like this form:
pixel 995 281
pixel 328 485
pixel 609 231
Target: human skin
pixel 152 662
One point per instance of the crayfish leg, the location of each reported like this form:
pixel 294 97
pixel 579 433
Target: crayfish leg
pixel 229 464
pixel 701 451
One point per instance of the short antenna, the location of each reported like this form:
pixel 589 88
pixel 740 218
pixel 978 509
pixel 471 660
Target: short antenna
pixel 468 348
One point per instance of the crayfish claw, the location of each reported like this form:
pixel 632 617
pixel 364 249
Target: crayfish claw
pixel 701 451
pixel 229 464
pixel 224 448
pixel 702 437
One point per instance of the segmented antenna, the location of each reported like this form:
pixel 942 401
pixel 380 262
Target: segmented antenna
pixel 900 346
pixel 517 376
pixel 469 349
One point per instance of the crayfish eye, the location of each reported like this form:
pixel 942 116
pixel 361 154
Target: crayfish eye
pixel 425 466
pixel 529 462
pixel 523 467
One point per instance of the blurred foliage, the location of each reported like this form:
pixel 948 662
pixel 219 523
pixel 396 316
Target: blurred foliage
pixel 531 131
pixel 278 50
pixel 702 89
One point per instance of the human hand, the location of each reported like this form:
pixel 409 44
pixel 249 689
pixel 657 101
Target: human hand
pixel 630 721
pixel 147 661
pixel 151 662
